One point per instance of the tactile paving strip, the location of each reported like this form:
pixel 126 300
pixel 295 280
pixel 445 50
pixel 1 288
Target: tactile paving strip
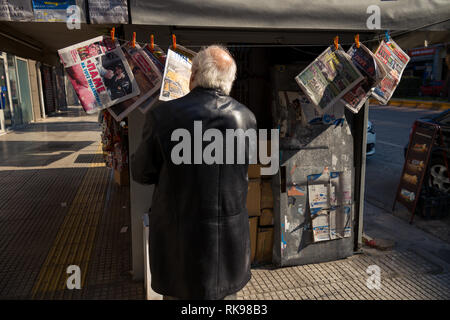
pixel 75 238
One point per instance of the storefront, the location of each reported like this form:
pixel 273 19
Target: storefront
pixel 16 100
pixel 428 63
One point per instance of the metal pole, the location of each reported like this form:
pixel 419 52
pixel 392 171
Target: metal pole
pixel 361 174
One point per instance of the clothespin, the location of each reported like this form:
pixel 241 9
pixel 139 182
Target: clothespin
pixel 357 40
pixel 386 35
pixel 336 42
pixel 113 30
pixel 174 42
pixel 133 43
pixel 152 42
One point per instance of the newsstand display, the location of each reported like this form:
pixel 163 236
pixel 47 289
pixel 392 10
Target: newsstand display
pixel 311 217
pixel 304 213
pixel 114 138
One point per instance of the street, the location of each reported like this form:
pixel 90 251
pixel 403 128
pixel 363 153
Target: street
pixel 392 126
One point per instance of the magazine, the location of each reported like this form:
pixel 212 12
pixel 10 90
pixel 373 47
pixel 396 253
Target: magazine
pixel 158 56
pixel 395 61
pixel 372 70
pixel 328 78
pixel 99 73
pixel 148 78
pixel 321 226
pixel 108 11
pixel 177 74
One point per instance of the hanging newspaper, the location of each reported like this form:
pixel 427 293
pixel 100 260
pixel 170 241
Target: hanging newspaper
pixel 177 73
pixel 395 61
pixel 372 70
pixel 147 76
pixel 158 57
pixel 16 10
pixel 99 73
pixel 328 78
pixel 54 11
pixel 108 11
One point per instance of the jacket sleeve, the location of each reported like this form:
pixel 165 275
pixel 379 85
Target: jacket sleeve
pixel 146 161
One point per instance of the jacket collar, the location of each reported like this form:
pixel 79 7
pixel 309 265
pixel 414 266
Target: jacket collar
pixel 211 90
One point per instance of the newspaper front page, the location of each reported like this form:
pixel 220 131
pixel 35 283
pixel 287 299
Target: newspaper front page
pixel 177 73
pixel 99 73
pixel 108 11
pixel 373 72
pixel 16 10
pixel 328 78
pixel 395 61
pixel 158 56
pixel 53 11
pixel 148 78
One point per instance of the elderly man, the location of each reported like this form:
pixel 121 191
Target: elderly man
pixel 199 231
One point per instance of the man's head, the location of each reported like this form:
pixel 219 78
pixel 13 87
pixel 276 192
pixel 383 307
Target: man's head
pixel 213 67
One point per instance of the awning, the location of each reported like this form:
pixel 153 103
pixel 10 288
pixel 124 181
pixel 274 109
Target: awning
pixel 294 14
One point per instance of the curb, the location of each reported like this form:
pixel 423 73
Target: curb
pixel 419 104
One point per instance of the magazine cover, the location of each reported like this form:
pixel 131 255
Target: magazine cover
pixel 328 78
pixel 373 72
pixel 395 61
pixel 99 73
pixel 177 74
pixel 158 56
pixel 321 226
pixel 148 78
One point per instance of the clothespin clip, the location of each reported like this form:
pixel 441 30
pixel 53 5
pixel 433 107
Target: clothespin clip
pixel 357 40
pixel 133 43
pixel 336 43
pixel 386 35
pixel 174 42
pixel 152 42
pixel 113 30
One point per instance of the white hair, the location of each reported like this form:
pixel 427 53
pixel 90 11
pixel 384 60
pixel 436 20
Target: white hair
pixel 212 70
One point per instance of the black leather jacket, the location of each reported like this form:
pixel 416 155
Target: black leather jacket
pixel 199 230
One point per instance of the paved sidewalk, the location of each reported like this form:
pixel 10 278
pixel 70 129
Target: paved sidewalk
pixel 60 207
pixel 417 268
